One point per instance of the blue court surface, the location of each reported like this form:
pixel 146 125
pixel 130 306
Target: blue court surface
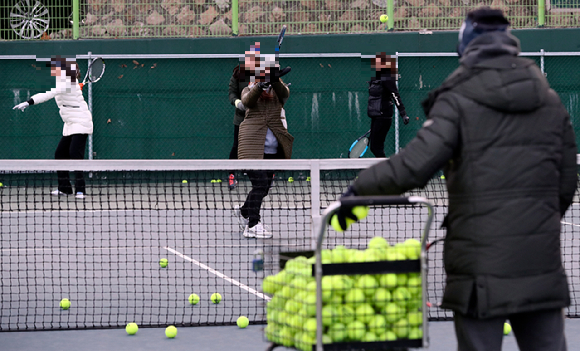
pixel 226 338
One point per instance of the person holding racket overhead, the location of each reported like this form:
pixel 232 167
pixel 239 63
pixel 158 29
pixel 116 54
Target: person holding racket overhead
pixel 382 93
pixel 507 147
pixel 78 121
pixel 262 135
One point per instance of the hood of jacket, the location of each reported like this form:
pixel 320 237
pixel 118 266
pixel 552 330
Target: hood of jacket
pixel 499 78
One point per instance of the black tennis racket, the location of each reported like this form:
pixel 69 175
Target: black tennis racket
pixel 95 71
pixel 360 146
pixel 281 38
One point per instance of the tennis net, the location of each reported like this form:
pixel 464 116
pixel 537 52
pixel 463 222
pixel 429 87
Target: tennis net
pixel 103 252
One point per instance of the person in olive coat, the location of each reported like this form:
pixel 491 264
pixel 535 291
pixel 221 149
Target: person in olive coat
pixel 237 84
pixel 508 151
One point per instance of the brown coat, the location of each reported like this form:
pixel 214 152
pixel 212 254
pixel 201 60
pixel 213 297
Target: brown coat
pixel 262 114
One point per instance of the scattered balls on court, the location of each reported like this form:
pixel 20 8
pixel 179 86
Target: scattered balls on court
pixel 131 328
pixel 64 304
pixel 290 179
pixel 216 298
pixel 507 328
pixel 243 322
pixel 163 262
pixel 193 299
pixel 184 181
pixel 171 332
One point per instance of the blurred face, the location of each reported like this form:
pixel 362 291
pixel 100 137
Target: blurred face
pixel 55 71
pixel 378 65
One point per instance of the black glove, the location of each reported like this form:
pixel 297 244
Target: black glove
pixel 274 74
pixel 405 119
pixel 345 212
pixel 263 85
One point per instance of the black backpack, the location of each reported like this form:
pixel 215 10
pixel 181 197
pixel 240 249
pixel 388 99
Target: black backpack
pixel 375 106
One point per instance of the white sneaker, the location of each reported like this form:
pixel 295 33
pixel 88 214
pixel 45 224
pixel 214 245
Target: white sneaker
pixel 80 195
pixel 57 193
pixel 243 222
pixel 257 231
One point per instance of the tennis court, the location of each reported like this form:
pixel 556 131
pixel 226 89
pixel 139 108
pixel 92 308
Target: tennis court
pixel 103 252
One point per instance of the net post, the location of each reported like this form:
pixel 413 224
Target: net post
pixel 315 199
pixel 396 114
pixel 76 19
pixel 90 98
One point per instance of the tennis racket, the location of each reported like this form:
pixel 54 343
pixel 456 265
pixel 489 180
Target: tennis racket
pixel 360 146
pixel 95 71
pixel 281 38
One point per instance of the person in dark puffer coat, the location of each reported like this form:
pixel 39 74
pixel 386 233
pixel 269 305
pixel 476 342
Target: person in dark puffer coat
pixel 508 151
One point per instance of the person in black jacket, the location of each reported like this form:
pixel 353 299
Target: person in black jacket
pixel 508 151
pixel 235 95
pixel 382 93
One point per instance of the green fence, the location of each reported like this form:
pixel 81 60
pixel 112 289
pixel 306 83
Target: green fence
pixel 164 108
pixel 55 19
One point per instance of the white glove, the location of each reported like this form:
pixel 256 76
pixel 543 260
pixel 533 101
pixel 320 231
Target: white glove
pixel 21 106
pixel 239 105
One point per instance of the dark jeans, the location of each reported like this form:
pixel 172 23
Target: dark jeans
pixel 71 147
pixel 261 183
pixel 379 129
pixel 534 331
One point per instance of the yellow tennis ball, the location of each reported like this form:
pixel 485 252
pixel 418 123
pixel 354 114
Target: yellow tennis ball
pixel 360 212
pixel 336 226
pixel 384 18
pixel 1 184
pixel 290 179
pixel 213 181
pixel 216 298
pixel 184 181
pixel 243 322
pixel 163 262
pixel 193 299
pixel 507 328
pixel 131 328
pixel 64 304
pixel 171 332
pixel 218 181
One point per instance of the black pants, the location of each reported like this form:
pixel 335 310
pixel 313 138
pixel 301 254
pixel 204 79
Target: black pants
pixel 71 147
pixel 379 129
pixel 534 331
pixel 261 183
pixel 234 150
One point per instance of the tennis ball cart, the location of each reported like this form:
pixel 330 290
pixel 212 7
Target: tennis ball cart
pixel 346 299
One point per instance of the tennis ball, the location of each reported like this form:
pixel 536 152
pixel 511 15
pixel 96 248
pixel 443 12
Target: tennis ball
pixel 163 262
pixel 355 297
pixel 412 249
pixel 309 306
pixel 64 304
pixel 384 18
pixel 415 333
pixel 364 313
pixel 131 328
pixel 307 179
pixel 242 322
pixel 394 254
pixel 171 332
pixel 295 322
pixel 368 284
pixel 329 315
pixel 401 328
pixel 414 285
pixel 360 212
pixel 1 184
pixel 388 281
pixel 218 181
pixel 415 318
pixel 193 299
pixel 184 181
pixel 337 332
pixel 378 242
pixel 393 312
pixel 346 314
pixel 387 336
pixel 216 298
pixel 370 337
pixel 292 306
pixel 356 330
pixel 213 181
pixel 401 296
pixel 310 326
pixel 402 279
pixel 507 328
pixel 381 298
pixel 290 179
pixel 286 337
pixel 378 324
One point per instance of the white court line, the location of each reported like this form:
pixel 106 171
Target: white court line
pixel 568 223
pixel 219 274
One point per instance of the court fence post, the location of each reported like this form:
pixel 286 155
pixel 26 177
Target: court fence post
pixel 76 19
pixel 541 13
pixel 90 98
pixel 235 29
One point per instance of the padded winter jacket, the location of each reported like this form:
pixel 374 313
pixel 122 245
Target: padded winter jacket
pixel 73 109
pixel 508 151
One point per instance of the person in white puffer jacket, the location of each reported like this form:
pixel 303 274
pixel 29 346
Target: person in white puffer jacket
pixel 78 121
